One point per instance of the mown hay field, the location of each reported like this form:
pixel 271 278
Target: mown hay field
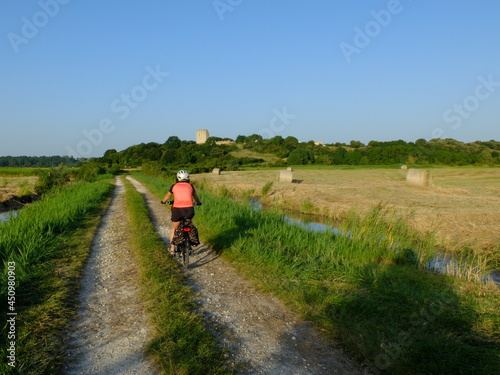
pixel 16 186
pixel 462 206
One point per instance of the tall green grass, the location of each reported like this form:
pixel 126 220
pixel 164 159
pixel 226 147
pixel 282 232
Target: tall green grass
pixel 367 288
pixel 49 242
pixel 31 237
pixel 181 344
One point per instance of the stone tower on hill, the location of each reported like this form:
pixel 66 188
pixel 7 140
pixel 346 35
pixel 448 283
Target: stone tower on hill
pixel 202 136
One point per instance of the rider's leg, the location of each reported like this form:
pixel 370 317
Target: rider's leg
pixel 175 225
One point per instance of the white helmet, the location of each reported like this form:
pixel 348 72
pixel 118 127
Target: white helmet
pixel 182 175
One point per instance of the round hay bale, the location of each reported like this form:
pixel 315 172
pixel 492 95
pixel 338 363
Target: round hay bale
pixel 285 176
pixel 419 177
pixel 216 171
pixel 404 167
pixel 290 169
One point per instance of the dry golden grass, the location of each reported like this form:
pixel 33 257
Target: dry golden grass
pixel 462 206
pixel 16 186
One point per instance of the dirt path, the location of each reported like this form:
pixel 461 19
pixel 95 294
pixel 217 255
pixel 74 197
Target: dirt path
pixel 110 332
pixel 262 336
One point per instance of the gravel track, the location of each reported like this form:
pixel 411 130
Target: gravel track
pixel 262 335
pixel 111 329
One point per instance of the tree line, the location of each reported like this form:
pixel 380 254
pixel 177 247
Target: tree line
pixel 420 152
pixel 175 153
pixel 37 161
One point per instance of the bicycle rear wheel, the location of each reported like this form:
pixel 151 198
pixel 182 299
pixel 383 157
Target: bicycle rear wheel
pixel 186 247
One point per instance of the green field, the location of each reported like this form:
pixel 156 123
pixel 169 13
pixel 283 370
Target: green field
pixel 17 171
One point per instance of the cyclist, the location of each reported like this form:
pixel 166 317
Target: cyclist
pixel 183 206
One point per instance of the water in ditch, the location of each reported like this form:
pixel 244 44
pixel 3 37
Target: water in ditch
pixel 308 221
pixel 6 216
pixel 440 263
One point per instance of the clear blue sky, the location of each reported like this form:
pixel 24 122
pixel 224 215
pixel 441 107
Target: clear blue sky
pixel 80 77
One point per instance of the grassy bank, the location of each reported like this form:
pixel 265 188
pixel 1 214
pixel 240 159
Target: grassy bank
pixel 45 248
pixel 181 344
pixel 367 289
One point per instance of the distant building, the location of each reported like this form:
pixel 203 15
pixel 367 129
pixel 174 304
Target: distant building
pixel 202 136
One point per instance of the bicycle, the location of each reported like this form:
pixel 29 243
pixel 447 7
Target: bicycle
pixel 183 249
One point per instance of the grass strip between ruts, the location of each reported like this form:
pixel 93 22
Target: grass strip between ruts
pixel 181 343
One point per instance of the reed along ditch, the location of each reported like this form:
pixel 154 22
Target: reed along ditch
pixel 368 289
pixel 438 263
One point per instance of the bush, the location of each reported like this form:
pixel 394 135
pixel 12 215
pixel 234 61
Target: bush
pixel 89 172
pixel 279 163
pixel 50 178
pixel 114 169
pixel 152 168
pixel 300 156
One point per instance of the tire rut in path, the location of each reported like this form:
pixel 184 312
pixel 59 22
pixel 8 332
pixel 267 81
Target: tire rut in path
pixel 262 335
pixel 111 330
